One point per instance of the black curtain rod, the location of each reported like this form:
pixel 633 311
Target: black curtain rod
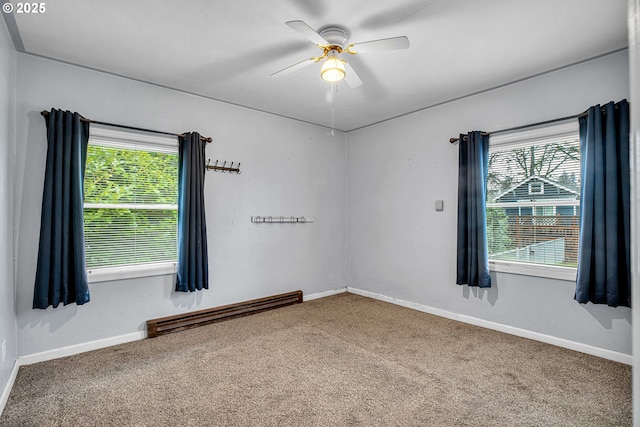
pixel 45 114
pixel 577 116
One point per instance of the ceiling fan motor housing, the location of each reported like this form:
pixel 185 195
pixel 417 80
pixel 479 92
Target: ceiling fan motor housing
pixel 335 35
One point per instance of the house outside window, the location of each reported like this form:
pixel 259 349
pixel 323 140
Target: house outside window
pixel 533 201
pixel 130 204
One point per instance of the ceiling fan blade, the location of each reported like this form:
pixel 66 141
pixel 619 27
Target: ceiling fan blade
pixel 308 32
pixel 351 77
pixel 295 67
pixel 378 45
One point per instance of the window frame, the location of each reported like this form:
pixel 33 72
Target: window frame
pixel 108 136
pixel 536 193
pixel 539 135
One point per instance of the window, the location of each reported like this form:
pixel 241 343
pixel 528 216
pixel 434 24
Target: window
pixel 130 204
pixel 533 201
pixel 536 187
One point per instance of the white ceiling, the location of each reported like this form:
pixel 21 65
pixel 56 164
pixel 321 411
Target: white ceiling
pixel 227 50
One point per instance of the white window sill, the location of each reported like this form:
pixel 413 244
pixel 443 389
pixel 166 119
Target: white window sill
pixel 538 270
pixel 95 275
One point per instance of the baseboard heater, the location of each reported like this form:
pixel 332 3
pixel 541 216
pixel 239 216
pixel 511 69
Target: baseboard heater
pixel 179 322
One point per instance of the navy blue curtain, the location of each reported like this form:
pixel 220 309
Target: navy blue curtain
pixel 604 263
pixel 473 254
pixel 61 275
pixel 193 265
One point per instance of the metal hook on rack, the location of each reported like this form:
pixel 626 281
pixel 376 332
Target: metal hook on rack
pixel 281 219
pixel 224 167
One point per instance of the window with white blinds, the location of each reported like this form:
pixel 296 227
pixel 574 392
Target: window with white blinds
pixel 533 196
pixel 130 200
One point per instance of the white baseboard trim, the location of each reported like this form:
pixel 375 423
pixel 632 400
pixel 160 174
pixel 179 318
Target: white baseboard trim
pixel 323 294
pixel 7 388
pixel 536 336
pixel 57 353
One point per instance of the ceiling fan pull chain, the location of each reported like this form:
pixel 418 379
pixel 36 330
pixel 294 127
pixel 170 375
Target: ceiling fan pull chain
pixel 334 90
pixel 332 134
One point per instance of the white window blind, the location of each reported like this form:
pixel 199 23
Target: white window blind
pixel 131 196
pixel 533 191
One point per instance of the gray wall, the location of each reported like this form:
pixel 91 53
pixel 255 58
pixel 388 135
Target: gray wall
pixel 288 168
pixel 7 149
pixel 400 247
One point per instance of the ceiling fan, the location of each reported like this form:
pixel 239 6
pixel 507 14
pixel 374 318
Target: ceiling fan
pixel 332 39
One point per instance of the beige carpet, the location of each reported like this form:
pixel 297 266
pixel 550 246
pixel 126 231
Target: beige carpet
pixel 342 360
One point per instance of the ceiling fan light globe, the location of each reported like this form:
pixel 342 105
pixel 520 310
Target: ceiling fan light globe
pixel 333 70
